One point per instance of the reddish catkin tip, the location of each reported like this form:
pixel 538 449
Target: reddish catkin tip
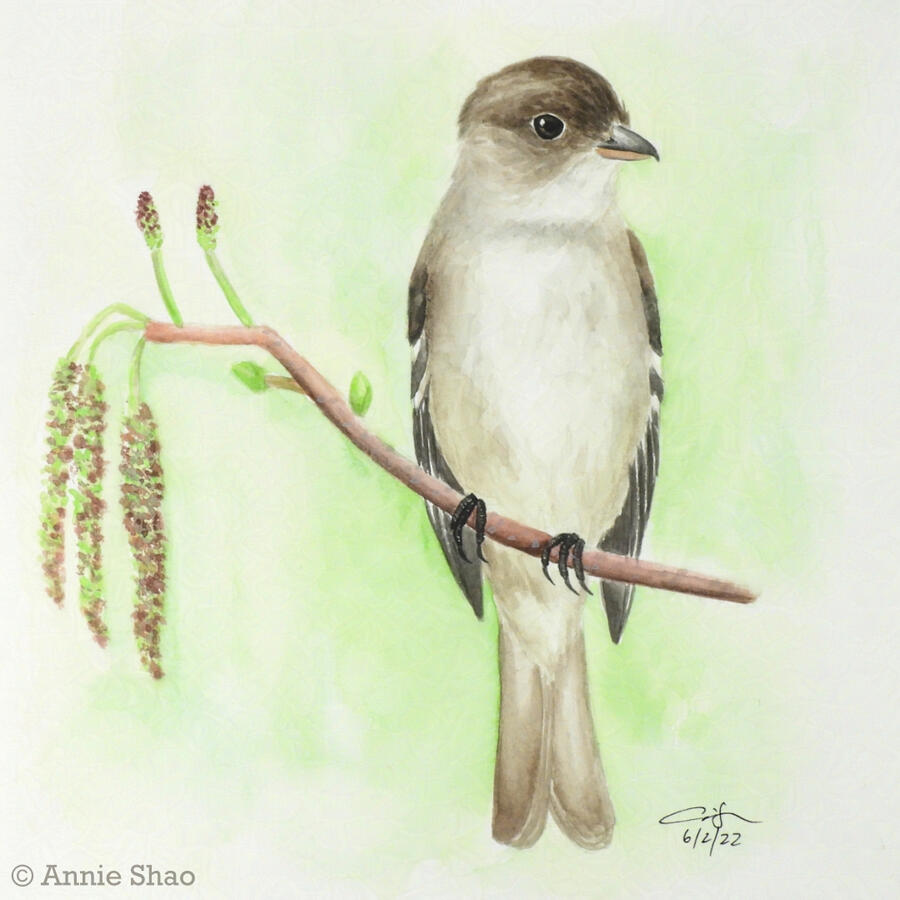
pixel 207 219
pixel 148 220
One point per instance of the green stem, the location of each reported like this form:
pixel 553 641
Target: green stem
pixel 121 308
pixel 134 376
pixel 109 330
pixel 230 293
pixel 165 289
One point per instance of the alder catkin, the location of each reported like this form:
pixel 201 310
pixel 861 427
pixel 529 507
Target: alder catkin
pixel 142 494
pixel 207 218
pixel 55 476
pixel 88 467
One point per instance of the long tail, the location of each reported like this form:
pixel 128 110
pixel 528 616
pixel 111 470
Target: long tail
pixel 522 770
pixel 547 755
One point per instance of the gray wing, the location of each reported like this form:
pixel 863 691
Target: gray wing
pixel 627 532
pixel 428 452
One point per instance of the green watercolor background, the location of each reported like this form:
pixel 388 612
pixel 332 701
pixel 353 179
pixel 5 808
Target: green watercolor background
pixel 329 695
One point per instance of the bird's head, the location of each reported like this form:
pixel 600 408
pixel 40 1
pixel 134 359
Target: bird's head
pixel 549 128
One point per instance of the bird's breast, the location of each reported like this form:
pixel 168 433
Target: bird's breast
pixel 539 363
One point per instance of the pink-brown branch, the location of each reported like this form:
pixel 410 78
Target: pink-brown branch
pixel 506 531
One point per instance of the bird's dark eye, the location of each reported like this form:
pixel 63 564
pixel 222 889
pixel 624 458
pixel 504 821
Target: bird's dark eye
pixel 547 126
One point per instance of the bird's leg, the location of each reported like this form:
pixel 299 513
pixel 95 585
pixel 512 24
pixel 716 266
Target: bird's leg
pixel 567 542
pixel 461 516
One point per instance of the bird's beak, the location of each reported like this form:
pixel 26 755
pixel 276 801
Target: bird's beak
pixel 626 144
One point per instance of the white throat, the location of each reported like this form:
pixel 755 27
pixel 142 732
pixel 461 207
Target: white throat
pixel 579 197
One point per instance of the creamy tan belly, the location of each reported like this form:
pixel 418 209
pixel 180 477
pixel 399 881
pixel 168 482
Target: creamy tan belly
pixel 539 382
pixel 539 396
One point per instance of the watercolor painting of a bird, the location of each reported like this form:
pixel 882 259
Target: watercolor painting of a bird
pixel 536 387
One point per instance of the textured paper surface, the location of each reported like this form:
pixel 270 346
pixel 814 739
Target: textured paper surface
pixel 326 725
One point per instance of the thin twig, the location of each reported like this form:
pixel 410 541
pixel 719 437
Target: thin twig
pixel 282 382
pixel 231 295
pixel 110 330
pixel 506 531
pixel 122 309
pixel 134 376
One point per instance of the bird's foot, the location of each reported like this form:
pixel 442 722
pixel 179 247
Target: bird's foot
pixel 461 516
pixel 567 542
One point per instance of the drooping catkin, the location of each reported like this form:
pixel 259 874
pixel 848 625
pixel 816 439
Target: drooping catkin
pixel 88 466
pixel 55 476
pixel 142 494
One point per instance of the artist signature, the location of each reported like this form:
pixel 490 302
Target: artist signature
pixel 703 826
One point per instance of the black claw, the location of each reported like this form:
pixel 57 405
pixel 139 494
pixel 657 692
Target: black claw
pixel 480 522
pixel 545 555
pixel 458 521
pixel 563 565
pixel 461 516
pixel 577 550
pixel 567 542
